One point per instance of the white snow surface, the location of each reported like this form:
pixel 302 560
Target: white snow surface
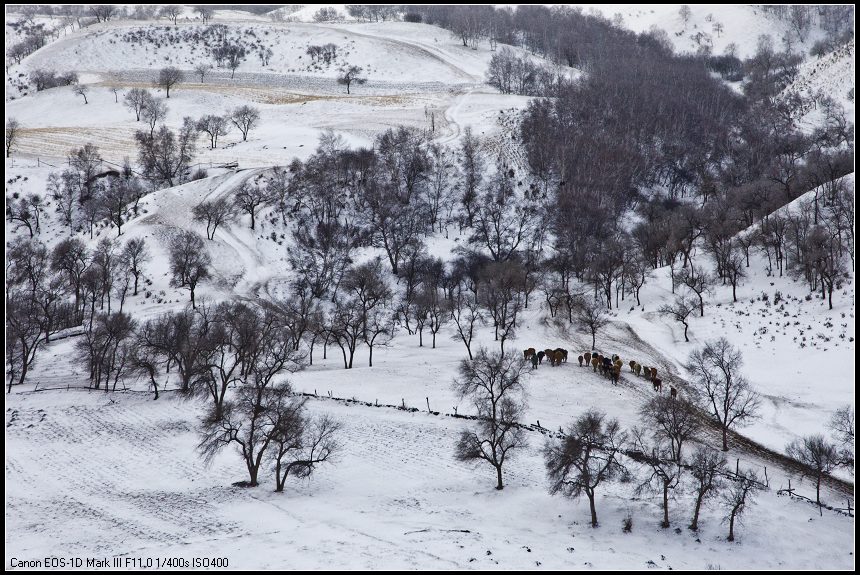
pixel 93 474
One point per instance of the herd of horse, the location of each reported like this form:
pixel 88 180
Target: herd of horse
pixel 609 366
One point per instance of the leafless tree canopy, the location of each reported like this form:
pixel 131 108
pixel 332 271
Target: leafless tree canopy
pixel 586 458
pixel 189 261
pixel 720 387
pixel 493 381
pixel 13 130
pixel 350 75
pixel 169 77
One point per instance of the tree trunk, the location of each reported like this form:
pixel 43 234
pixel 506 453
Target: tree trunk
pixel 665 523
pixel 694 526
pixel 593 509
pixel 818 489
pixel 279 483
pixel 499 484
pixel 732 526
pixel 725 439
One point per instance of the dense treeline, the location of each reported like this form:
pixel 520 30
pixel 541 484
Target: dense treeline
pixel 654 132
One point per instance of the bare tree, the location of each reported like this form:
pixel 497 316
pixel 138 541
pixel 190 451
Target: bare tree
pixel 202 69
pixel 818 455
pixel 591 314
pixel 232 54
pixel 105 349
pixel 586 457
pixel 699 284
pixel 250 197
pixel 372 295
pixel 20 211
pixel 205 12
pixel 737 497
pixel 134 255
pixel 145 362
pixel 13 132
pixel 87 162
pixel 842 425
pixel 180 339
pixel 165 156
pixel 346 328
pixel 247 422
pixel 81 90
pixel 155 111
pixel 300 443
pixel 494 383
pixel 245 118
pixel 136 100
pixel 719 386
pixel 214 213
pixel 672 419
pixel 71 257
pixel 349 75
pixel 733 268
pixel 189 262
pixel 114 199
pixel 24 333
pixel 102 12
pixel 215 126
pixel 115 91
pixel 664 471
pixel 706 467
pixel 379 328
pixel 679 310
pixel 172 12
pixel 466 313
pixel 169 77
pixel 502 295
pixel 472 169
pixel 501 220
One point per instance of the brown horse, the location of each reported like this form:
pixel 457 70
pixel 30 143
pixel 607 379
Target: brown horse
pixel 587 357
pixel 657 383
pixel 527 353
pixel 673 392
pixel 580 360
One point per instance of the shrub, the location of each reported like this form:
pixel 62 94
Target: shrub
pixel 627 524
pixel 199 174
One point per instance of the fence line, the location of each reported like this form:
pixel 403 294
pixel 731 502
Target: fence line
pixel 635 455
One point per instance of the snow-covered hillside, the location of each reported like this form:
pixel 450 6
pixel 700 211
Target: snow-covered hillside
pixel 711 25
pixel 92 474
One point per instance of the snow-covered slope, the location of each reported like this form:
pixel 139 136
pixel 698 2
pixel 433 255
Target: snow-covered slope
pixel 712 25
pixel 832 76
pixel 118 474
